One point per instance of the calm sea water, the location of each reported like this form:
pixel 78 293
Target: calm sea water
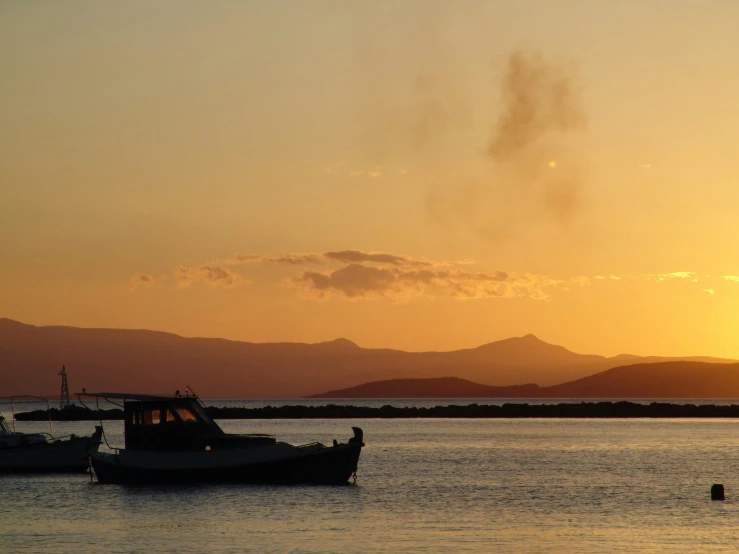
pixel 429 485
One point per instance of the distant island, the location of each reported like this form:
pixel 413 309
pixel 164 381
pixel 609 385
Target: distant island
pixel 126 360
pixel 655 380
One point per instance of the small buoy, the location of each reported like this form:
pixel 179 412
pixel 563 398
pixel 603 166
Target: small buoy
pixel 717 492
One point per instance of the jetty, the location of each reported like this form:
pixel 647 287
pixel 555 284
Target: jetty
pixel 619 409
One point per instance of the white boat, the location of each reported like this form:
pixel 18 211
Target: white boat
pixel 42 453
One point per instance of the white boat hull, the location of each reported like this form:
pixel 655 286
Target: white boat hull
pixel 63 456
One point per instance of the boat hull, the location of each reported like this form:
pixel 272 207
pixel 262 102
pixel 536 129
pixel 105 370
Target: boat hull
pixel 284 465
pixel 63 456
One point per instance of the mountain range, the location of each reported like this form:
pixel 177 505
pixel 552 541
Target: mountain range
pixel 126 360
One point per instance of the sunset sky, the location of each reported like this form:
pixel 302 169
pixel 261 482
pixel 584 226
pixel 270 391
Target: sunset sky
pixel 417 175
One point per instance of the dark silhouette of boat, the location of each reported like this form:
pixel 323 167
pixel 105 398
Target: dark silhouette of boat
pixel 42 452
pixel 173 440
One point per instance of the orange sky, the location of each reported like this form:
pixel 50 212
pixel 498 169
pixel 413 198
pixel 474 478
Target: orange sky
pixel 417 174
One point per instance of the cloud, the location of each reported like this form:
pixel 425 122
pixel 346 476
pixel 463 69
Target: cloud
pixel 218 276
pixel 673 275
pixel 349 256
pixel 366 274
pixel 356 281
pixel 659 277
pixel 342 256
pixel 140 280
pixel 183 276
pixel 582 280
pixel 288 259
pixel 209 275
pixel 333 169
pixel 374 172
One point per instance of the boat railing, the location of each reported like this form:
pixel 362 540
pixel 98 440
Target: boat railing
pixel 11 400
pixel 97 409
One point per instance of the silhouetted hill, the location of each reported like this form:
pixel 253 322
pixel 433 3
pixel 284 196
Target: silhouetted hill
pixel 530 350
pixel 441 387
pixel 655 380
pixel 158 362
pixel 651 380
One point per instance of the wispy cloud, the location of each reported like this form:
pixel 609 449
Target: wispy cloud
pixel 342 256
pixel 367 274
pixel 372 172
pixel 658 277
pixel 289 259
pixel 356 281
pixel 681 275
pixel 674 275
pixel 140 280
pixel 182 276
pixel 209 275
pixel 334 168
pixel 349 256
pixel 581 280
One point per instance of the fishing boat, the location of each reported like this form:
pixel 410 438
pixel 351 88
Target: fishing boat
pixel 42 452
pixel 173 440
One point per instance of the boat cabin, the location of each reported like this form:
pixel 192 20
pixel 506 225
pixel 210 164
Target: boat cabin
pixel 176 424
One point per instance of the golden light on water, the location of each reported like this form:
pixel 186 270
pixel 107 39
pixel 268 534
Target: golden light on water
pixel 553 164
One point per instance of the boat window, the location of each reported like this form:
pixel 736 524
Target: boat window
pixel 170 416
pixel 186 414
pixel 201 414
pixel 151 417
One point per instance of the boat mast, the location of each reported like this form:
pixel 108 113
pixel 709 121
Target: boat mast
pixel 64 396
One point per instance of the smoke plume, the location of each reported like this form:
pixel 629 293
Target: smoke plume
pixel 535 154
pixel 538 99
pixel 541 108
